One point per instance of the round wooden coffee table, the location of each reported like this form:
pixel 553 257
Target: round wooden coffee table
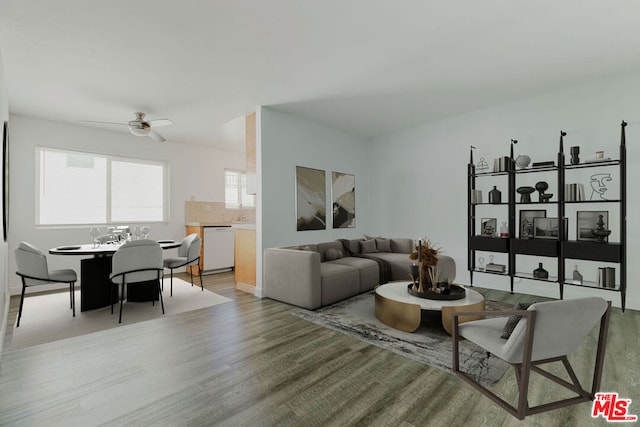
pixel 396 308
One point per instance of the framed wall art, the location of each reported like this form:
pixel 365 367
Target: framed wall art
pixel 526 222
pixel 311 199
pixel 545 228
pixel 343 200
pixel 488 227
pixel 587 223
pixel 549 228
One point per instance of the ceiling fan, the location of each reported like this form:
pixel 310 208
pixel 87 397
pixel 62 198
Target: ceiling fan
pixel 142 127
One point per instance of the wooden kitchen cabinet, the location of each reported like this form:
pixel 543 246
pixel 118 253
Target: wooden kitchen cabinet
pixel 245 259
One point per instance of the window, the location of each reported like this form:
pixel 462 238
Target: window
pixel 235 190
pixel 84 188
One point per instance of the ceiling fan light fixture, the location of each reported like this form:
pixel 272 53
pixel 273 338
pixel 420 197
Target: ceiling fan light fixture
pixel 140 130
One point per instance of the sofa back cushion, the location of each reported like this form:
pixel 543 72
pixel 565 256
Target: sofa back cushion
pixel 383 245
pixel 402 246
pixel 368 246
pixel 336 253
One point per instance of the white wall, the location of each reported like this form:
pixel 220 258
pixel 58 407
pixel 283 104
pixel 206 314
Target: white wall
pixel 287 141
pixel 194 171
pixel 421 173
pixel 4 283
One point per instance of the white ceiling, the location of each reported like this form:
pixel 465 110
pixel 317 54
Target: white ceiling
pixel 364 66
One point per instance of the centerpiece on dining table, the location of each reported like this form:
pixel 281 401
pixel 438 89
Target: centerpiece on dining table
pixel 425 274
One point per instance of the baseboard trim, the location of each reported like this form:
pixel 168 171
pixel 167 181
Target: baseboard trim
pixel 250 289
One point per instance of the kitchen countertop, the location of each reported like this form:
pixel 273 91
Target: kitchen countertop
pixel 243 225
pixel 208 224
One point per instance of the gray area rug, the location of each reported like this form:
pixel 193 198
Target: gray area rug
pixel 429 344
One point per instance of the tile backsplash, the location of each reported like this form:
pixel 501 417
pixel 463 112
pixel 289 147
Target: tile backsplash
pixel 216 213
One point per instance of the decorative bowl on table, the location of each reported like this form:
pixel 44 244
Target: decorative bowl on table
pixel 447 292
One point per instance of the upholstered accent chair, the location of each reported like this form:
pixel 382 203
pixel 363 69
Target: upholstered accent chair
pixel 547 332
pixel 188 254
pixel 134 262
pixel 34 271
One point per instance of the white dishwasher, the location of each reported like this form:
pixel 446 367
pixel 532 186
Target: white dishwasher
pixel 218 249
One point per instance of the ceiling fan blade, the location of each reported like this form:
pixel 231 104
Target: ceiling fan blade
pixel 159 122
pixel 156 136
pixel 103 123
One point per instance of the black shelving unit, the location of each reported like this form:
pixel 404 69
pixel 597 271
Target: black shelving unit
pixel 559 249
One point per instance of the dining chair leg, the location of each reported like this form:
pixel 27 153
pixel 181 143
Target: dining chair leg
pixel 70 296
pixel 121 301
pixel 191 271
pixel 73 298
pixel 171 269
pixel 200 274
pixel 24 287
pixel 161 302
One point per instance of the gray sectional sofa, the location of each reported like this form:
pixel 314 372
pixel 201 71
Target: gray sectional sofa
pixel 320 274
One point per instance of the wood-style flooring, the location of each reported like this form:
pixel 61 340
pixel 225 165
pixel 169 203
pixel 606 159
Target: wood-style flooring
pixel 251 363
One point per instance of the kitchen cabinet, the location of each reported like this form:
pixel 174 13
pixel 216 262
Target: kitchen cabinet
pixel 245 257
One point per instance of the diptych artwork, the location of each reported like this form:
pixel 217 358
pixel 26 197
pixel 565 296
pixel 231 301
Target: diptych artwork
pixel 311 199
pixel 343 198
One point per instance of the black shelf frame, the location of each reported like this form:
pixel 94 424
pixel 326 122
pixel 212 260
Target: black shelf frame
pixel 560 249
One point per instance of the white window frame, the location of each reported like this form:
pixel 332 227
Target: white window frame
pixel 109 158
pixel 245 200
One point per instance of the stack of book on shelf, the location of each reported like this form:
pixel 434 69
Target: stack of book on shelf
pixel 498 268
pixel 573 192
pixel 502 164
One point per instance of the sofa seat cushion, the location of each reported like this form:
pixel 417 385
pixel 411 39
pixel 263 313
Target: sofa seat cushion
pixel 367 270
pixel 338 282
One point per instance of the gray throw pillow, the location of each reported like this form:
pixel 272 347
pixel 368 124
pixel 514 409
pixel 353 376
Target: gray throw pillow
pixel 512 322
pixel 368 247
pixel 332 254
pixel 383 245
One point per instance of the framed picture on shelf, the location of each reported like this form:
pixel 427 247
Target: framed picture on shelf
pixel 526 222
pixel 587 223
pixel 548 228
pixel 488 227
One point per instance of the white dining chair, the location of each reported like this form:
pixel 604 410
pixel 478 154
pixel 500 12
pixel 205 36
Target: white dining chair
pixel 34 271
pixel 135 262
pixel 188 254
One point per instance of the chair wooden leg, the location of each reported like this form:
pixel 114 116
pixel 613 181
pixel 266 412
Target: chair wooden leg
pixel 121 301
pixel 200 274
pixel 24 287
pixel 191 272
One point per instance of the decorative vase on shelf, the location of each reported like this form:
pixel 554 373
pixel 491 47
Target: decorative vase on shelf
pixel 525 194
pixel 540 273
pixel 577 277
pixel 504 230
pixel 495 196
pixel 600 232
pixel 575 155
pixel 541 186
pixel 522 161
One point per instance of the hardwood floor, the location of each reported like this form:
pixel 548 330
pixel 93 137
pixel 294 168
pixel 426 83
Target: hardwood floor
pixel 250 362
